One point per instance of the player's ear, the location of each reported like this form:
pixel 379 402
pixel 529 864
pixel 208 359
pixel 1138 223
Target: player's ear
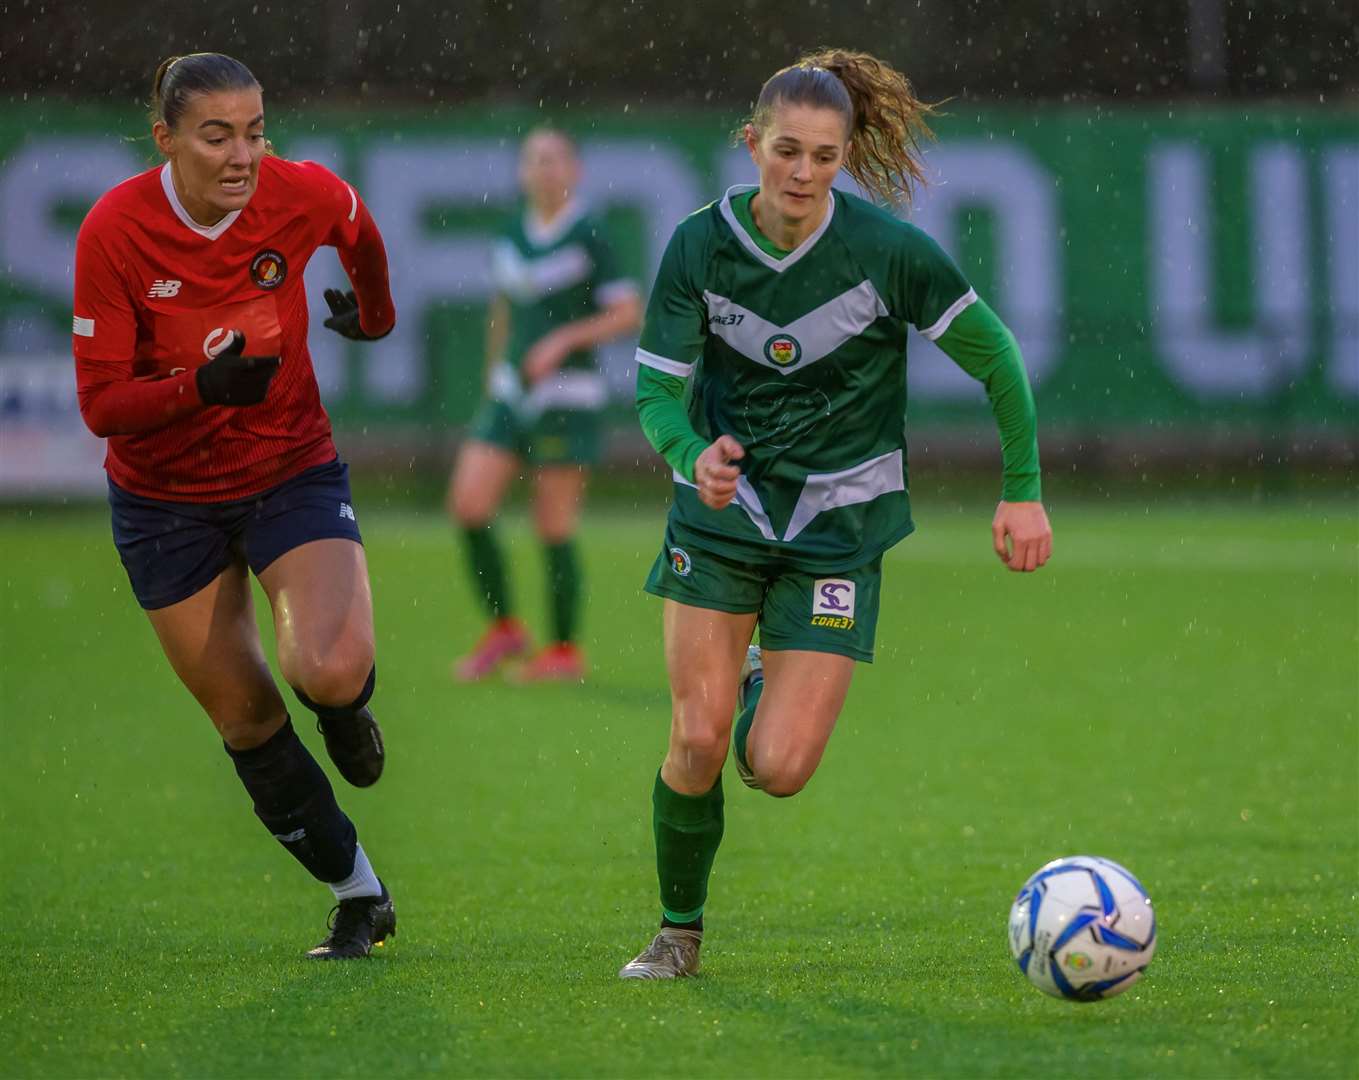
pixel 163 136
pixel 752 138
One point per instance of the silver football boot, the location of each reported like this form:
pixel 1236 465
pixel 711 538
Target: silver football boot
pixel 752 671
pixel 672 954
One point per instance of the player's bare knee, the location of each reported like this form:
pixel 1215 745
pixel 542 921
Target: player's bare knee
pixel 782 776
pixel 702 746
pixel 781 785
pixel 698 746
pixel 555 532
pixel 334 679
pixel 468 510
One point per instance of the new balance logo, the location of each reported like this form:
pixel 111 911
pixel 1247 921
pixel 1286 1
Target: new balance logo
pixel 164 287
pixel 347 511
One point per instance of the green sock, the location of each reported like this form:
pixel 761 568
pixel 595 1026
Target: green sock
pixel 488 569
pixel 563 589
pixel 741 731
pixel 688 830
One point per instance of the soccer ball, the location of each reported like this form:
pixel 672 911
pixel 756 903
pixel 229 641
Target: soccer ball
pixel 1082 928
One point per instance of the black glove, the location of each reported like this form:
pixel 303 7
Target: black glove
pixel 344 316
pixel 232 379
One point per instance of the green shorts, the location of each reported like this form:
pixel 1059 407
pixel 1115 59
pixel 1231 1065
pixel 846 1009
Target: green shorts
pixel 554 437
pixel 820 612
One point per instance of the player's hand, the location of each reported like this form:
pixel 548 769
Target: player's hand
pixel 232 379
pixel 545 356
pixel 1021 535
pixel 344 316
pixel 716 473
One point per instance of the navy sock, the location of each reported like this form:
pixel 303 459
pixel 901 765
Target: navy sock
pixel 341 712
pixel 295 802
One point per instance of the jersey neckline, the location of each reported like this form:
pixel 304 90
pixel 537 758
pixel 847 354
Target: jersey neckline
pixel 544 234
pixel 211 232
pixel 741 206
pixel 748 241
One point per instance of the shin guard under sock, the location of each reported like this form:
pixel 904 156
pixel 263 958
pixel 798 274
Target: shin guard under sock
pixel 487 565
pixel 563 589
pixel 295 802
pixel 688 831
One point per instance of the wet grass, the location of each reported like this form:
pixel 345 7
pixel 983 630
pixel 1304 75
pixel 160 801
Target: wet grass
pixel 1178 691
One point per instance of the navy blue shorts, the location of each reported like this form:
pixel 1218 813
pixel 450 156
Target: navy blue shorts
pixel 170 550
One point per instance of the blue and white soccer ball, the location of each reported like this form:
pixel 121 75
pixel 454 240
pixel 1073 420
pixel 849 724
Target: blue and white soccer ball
pixel 1082 928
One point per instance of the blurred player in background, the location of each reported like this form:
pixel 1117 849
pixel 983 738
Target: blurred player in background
pixel 789 305
pixel 558 294
pixel 190 341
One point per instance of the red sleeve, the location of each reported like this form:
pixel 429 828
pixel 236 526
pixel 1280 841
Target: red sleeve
pixel 113 404
pixel 104 340
pixel 354 234
pixel 366 264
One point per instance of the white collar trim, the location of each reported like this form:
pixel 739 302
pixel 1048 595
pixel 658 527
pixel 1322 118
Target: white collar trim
pixel 212 232
pixel 544 234
pixel 778 265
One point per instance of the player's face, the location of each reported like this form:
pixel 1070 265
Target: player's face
pixel 215 152
pixel 548 170
pixel 798 152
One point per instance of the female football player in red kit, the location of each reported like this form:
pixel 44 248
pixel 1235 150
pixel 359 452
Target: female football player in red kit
pixel 190 341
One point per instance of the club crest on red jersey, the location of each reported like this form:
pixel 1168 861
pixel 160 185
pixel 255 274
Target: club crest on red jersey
pixel 268 269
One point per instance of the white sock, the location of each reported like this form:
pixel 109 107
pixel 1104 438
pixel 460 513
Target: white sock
pixel 362 882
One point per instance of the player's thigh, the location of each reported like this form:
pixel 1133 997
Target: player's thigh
pixel 487 462
pixel 323 618
pixel 558 492
pixel 813 627
pixel 712 605
pixel 803 695
pixel 213 644
pixel 704 649
pixel 479 480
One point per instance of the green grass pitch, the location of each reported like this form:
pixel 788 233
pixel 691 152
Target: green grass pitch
pixel 1177 691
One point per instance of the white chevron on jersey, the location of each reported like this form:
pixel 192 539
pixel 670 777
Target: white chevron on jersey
pixel 817 334
pixel 526 280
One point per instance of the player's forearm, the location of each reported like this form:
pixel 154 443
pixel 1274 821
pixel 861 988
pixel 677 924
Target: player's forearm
pixel 982 345
pixel 365 263
pixel 665 422
pixel 131 407
pixel 620 317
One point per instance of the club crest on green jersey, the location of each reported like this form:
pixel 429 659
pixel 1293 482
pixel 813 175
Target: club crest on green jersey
pixel 783 349
pixel 680 562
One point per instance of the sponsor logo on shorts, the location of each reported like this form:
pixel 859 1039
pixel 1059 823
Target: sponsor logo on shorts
pixel 833 603
pixel 268 269
pixel 347 511
pixel 82 326
pixel 783 349
pixel 680 562
pixel 164 288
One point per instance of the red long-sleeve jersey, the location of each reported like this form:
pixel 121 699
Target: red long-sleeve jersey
pixel 154 291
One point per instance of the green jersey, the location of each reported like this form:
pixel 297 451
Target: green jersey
pixel 801 359
pixel 552 274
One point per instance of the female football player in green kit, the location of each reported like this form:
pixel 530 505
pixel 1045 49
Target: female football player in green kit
pixel 557 296
pixel 787 306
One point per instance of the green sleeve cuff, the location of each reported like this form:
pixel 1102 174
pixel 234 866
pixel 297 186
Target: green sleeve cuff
pixel 665 420
pixel 979 343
